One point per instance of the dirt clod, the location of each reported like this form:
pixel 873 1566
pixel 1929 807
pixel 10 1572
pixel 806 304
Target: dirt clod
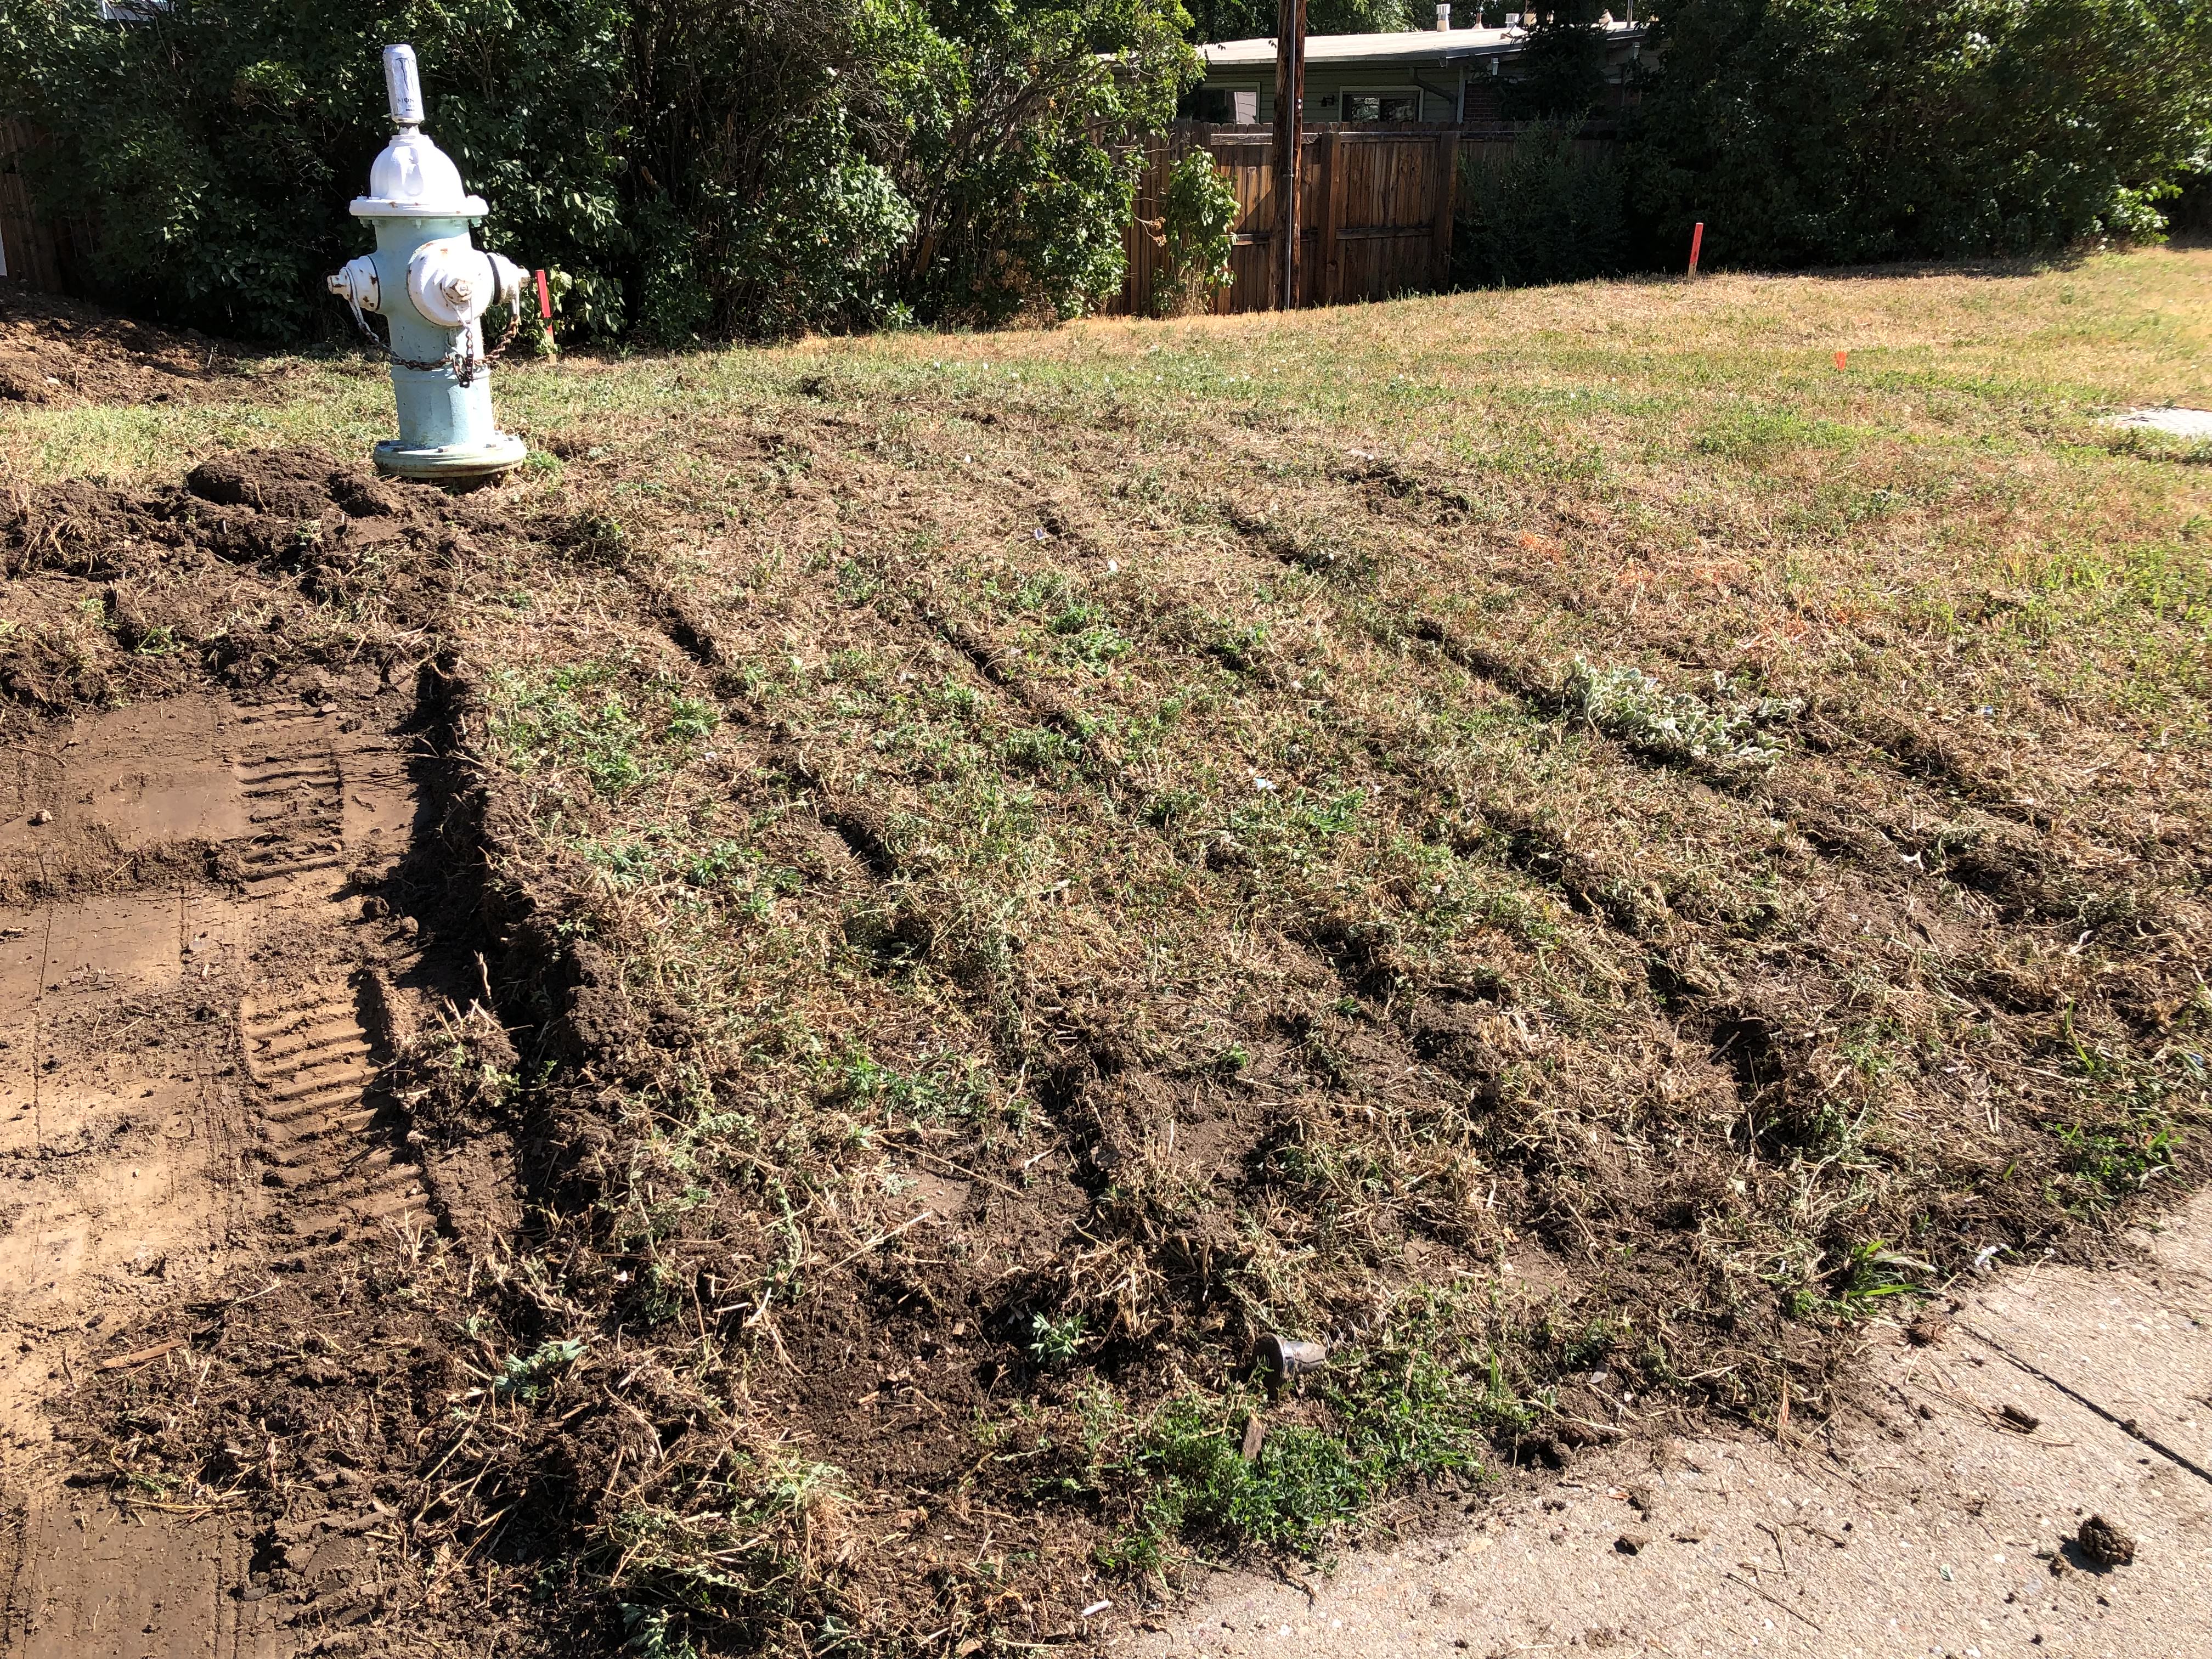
pixel 1632 1543
pixel 2105 1544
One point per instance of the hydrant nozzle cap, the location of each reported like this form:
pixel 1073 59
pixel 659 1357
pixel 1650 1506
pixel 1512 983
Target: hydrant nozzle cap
pixel 403 86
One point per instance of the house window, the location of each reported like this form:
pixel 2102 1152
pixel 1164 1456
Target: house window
pixel 1226 106
pixel 1384 106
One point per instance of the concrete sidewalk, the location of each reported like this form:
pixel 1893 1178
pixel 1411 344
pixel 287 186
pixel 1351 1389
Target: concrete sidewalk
pixel 1924 1521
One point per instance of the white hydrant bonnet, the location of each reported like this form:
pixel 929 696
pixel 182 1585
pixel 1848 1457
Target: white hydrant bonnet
pixel 412 177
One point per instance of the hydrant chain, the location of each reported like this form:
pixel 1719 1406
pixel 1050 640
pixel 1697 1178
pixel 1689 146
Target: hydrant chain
pixel 465 367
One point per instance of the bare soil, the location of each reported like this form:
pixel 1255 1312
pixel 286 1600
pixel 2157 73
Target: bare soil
pixel 281 930
pixel 58 350
pixel 224 893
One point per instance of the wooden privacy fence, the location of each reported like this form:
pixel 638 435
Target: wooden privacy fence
pixel 1374 209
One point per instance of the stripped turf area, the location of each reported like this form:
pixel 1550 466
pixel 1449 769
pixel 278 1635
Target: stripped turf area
pixel 1576 867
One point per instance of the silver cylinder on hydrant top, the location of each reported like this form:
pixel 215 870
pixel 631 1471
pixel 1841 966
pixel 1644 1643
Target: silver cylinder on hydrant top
pixel 432 286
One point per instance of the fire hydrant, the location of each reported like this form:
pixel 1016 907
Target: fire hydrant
pixel 433 288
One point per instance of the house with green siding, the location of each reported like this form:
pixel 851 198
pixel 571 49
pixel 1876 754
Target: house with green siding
pixel 1443 75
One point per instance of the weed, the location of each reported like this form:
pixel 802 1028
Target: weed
pixel 1055 1343
pixel 1294 826
pixel 1629 704
pixel 580 716
pixel 1757 436
pixel 2117 1162
pixel 596 538
pixel 526 1377
pixel 1872 1272
pixel 649 1634
pixel 1402 1410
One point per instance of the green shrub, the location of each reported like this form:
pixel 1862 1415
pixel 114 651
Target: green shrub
pixel 687 168
pixel 1003 119
pixel 1198 215
pixel 215 143
pixel 1554 211
pixel 1826 131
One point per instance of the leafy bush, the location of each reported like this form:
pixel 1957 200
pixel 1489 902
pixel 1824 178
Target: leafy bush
pixel 687 169
pixel 1555 210
pixel 753 207
pixel 1805 131
pixel 1198 214
pixel 1002 119
pixel 215 143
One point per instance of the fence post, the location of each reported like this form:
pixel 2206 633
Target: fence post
pixel 1447 195
pixel 1331 286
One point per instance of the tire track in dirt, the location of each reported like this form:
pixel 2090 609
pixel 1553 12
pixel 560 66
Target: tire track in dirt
pixel 1914 757
pixel 312 1059
pixel 1882 843
pixel 187 1091
pixel 2018 876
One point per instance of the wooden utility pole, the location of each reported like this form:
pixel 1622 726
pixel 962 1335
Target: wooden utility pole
pixel 1290 136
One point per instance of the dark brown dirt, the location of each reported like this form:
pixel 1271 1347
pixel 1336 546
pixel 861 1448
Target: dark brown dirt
pixel 712 1313
pixel 57 350
pixel 1620 1161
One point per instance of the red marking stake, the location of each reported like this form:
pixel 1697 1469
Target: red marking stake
pixel 1697 241
pixel 1840 357
pixel 545 299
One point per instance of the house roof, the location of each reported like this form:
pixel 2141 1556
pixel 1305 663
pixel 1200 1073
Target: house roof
pixel 1437 47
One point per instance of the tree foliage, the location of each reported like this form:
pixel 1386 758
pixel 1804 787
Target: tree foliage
pixel 1255 20
pixel 214 146
pixel 694 168
pixel 1805 131
pixel 999 110
pixel 1560 76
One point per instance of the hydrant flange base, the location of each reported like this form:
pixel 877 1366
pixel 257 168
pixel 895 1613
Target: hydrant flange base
pixel 451 463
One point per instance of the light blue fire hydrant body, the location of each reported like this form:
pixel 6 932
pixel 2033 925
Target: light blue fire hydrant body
pixel 432 288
